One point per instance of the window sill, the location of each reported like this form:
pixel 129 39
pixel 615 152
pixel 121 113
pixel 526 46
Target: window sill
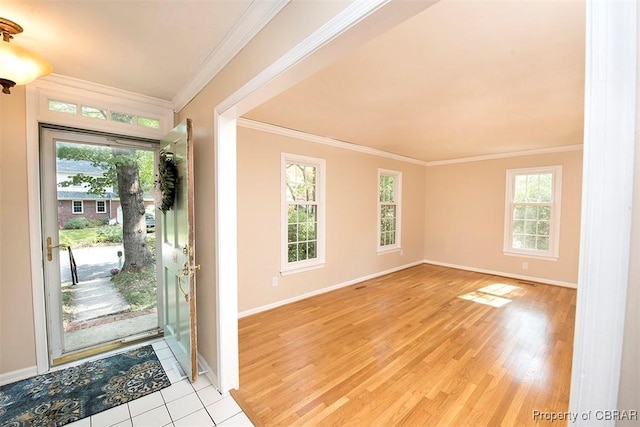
pixel 301 269
pixel 531 255
pixel 383 251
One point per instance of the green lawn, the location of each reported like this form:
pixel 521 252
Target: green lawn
pixel 138 288
pixel 79 238
pixel 92 236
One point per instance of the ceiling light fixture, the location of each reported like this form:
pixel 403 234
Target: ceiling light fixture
pixel 18 66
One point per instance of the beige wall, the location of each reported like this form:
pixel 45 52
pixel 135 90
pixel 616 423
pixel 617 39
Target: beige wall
pixel 287 29
pixel 351 217
pixel 17 341
pixel 464 216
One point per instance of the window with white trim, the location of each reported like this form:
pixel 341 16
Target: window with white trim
pixel 532 212
pixel 101 113
pixel 101 206
pixel 77 206
pixel 303 208
pixel 389 209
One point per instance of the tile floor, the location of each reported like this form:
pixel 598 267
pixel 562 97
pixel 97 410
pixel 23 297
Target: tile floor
pixel 182 404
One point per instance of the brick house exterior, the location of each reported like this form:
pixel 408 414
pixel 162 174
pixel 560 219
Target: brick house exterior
pixel 91 208
pixel 76 202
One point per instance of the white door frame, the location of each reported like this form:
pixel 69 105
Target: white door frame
pixel 48 138
pixel 226 249
pixel 609 132
pixel 65 89
pixel 610 104
pixel 257 90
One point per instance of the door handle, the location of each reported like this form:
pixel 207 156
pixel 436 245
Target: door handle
pixel 50 247
pixel 188 271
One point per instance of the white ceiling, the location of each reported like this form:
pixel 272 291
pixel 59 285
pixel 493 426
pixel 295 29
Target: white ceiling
pixel 150 47
pixel 462 78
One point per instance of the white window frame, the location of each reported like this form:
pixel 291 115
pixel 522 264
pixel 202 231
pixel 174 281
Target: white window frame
pixel 73 208
pixel 287 267
pixel 104 203
pixel 554 222
pixel 381 249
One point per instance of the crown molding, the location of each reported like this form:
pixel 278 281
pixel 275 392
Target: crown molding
pixel 279 130
pixel 72 84
pixel 523 153
pixel 257 15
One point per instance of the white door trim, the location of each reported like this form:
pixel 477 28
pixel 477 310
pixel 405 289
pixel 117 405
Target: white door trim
pixel 225 121
pixel 609 131
pixel 226 249
pixel 83 93
pixel 35 231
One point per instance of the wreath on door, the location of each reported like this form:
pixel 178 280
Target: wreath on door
pixel 167 182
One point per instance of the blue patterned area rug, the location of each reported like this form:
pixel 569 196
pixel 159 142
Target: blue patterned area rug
pixel 68 395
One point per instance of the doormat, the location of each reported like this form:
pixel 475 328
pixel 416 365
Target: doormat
pixel 68 395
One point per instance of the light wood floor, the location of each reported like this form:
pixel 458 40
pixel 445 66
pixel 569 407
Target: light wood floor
pixel 406 349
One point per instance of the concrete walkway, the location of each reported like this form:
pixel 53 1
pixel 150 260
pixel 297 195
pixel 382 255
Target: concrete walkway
pixel 101 316
pixel 97 298
pixel 112 331
pixel 100 311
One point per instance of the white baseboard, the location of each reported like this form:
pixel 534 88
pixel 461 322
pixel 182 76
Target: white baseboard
pixel 324 290
pixel 20 374
pixel 206 370
pixel 503 274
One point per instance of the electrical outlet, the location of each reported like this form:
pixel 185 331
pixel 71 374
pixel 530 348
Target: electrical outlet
pixel 401 252
pixel 525 265
pixel 274 281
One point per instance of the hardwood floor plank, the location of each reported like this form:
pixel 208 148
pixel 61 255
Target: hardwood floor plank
pixel 426 346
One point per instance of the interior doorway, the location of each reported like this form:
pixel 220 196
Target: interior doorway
pixel 99 232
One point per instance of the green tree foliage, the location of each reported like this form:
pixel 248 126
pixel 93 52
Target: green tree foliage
pixel 386 191
pixel 302 232
pixel 531 212
pixel 122 117
pixel 302 214
pixel 107 160
pixel 130 173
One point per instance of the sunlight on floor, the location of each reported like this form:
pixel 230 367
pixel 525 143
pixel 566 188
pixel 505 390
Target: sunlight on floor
pixel 500 289
pixel 492 295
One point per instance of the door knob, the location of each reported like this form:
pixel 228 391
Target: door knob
pixel 189 270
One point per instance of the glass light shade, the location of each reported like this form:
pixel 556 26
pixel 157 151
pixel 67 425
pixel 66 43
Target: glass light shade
pixel 21 65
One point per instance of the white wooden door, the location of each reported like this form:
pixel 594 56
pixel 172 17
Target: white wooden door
pixel 178 251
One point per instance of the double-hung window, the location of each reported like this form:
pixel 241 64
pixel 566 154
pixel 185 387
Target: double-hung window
pixel 77 206
pixel 101 206
pixel 303 213
pixel 532 212
pixel 389 209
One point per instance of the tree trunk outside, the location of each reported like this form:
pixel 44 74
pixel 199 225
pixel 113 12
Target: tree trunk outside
pixel 134 228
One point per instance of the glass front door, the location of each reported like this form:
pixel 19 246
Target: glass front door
pixel 99 249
